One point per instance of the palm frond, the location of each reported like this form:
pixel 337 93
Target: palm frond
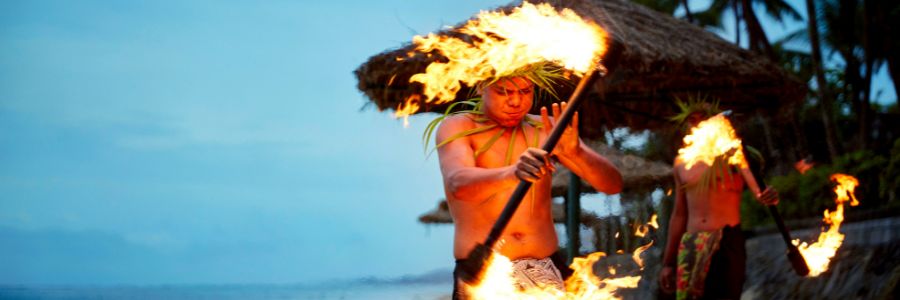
pixel 463 133
pixel 490 142
pixel 429 129
pixel 544 75
pixel 509 149
pixel 797 36
pixel 693 104
pixel 778 9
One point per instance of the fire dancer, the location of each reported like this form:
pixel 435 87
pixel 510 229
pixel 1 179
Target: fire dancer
pixel 483 155
pixel 704 230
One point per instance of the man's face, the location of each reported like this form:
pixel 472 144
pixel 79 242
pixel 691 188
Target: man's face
pixel 508 101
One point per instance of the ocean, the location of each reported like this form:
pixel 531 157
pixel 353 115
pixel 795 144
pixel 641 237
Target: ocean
pixel 423 291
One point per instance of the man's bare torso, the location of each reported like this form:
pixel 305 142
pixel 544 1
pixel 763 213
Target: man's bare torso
pixel 530 233
pixel 715 208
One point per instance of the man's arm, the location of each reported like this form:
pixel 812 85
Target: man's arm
pixel 677 227
pixel 462 179
pixel 581 159
pixel 677 224
pixel 769 196
pixel 594 168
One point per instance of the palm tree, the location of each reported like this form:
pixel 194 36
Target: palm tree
pixel 744 12
pixel 668 7
pixel 844 30
pixel 798 63
pixel 881 26
pixel 824 94
pixel 861 32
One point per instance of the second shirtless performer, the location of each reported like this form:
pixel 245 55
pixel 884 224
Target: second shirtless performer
pixel 705 255
pixel 484 155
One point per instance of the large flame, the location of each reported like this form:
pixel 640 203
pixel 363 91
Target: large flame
pixel 712 138
pixel 502 43
pixel 819 254
pixel 498 283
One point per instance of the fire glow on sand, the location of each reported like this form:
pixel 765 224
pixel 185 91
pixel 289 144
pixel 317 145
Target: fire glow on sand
pixel 819 254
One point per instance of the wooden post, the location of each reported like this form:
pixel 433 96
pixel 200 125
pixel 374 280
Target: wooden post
pixel 573 217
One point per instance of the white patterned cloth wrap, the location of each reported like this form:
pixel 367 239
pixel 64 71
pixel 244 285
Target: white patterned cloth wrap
pixel 535 273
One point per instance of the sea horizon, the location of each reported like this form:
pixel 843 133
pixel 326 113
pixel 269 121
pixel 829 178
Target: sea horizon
pixel 435 284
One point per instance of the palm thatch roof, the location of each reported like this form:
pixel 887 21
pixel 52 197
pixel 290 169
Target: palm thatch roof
pixel 654 58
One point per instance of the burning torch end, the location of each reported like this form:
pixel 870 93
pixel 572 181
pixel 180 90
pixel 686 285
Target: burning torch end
pixel 798 262
pixel 471 269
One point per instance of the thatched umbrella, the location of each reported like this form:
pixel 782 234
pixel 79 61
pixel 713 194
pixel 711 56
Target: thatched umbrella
pixel 656 59
pixel 638 173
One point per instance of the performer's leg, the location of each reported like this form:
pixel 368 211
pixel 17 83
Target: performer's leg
pixel 725 279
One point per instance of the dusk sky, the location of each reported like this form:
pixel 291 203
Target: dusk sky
pixel 179 142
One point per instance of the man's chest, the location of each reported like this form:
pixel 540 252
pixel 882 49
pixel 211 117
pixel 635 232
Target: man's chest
pixel 503 146
pixel 728 177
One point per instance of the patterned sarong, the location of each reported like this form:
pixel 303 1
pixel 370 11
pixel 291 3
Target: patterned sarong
pixel 694 256
pixel 532 273
pixel 527 273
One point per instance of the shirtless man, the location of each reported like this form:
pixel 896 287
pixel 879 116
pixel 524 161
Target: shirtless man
pixel 477 188
pixel 705 233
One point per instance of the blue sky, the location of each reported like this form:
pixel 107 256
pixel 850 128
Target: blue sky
pixel 209 142
pixel 175 142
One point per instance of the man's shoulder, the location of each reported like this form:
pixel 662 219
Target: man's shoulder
pixel 457 122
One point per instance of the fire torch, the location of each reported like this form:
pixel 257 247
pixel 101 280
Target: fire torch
pixel 793 254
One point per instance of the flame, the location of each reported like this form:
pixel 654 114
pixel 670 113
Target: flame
pixel 642 229
pixel 585 285
pixel 637 254
pixel 712 138
pixel 819 254
pixel 803 165
pixel 498 282
pixel 653 222
pixel 502 43
pixel 404 110
pixel 846 187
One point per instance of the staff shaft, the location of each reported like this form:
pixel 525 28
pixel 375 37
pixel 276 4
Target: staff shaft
pixel 798 262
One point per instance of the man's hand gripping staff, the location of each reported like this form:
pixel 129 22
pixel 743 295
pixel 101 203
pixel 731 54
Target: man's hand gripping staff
pixel 536 163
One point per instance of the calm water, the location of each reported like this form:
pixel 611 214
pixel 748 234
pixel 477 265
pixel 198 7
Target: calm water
pixel 353 291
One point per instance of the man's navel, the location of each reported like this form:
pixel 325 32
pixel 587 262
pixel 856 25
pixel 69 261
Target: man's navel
pixel 518 236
